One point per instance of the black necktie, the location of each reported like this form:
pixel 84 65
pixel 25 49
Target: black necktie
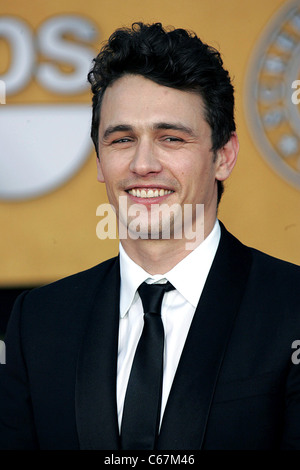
pixel 141 414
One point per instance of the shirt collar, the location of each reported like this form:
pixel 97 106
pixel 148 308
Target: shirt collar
pixel 132 276
pixel 188 276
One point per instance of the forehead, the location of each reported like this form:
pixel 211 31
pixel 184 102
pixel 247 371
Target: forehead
pixel 134 99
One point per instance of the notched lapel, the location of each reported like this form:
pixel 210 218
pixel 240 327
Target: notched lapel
pixel 187 411
pixel 96 409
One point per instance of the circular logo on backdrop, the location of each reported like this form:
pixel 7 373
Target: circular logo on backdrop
pixel 273 94
pixel 45 138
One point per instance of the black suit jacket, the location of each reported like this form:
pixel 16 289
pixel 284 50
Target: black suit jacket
pixel 236 386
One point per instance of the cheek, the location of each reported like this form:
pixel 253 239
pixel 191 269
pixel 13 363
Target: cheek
pixel 100 176
pixel 198 179
pixel 107 172
pixel 191 174
pixel 182 170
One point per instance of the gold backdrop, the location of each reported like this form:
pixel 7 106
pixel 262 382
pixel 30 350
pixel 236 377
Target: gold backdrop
pixel 52 235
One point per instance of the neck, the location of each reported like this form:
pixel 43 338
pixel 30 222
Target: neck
pixel 160 256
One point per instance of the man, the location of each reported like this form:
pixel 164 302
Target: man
pixel 164 133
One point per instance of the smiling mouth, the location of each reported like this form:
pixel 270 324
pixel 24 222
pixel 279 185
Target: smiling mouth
pixel 149 192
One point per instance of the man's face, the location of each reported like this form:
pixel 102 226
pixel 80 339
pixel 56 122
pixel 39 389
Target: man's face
pixel 154 149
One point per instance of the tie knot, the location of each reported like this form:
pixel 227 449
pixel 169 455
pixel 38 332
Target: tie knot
pixel 152 295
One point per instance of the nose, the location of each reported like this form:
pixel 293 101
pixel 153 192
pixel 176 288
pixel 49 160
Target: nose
pixel 145 159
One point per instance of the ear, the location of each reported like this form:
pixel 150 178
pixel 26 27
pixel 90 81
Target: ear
pixel 100 176
pixel 226 158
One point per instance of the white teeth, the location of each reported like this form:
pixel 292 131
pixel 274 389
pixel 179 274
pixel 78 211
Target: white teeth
pixel 149 193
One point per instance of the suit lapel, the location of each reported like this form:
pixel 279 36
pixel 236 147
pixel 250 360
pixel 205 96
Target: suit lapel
pixel 96 409
pixel 188 406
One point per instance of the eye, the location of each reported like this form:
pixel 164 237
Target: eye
pixel 173 139
pixel 122 140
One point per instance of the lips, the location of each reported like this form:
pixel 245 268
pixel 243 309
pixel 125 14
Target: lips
pixel 149 192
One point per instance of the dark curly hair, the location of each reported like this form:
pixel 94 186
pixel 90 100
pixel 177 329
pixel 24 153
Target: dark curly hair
pixel 171 57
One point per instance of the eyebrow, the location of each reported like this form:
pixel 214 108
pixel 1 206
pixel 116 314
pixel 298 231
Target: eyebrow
pixel 117 128
pixel 174 127
pixel 157 126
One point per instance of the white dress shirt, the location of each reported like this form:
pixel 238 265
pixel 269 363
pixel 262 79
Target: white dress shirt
pixel 177 311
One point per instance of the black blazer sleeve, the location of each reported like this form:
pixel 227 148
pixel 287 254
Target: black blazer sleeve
pixel 17 430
